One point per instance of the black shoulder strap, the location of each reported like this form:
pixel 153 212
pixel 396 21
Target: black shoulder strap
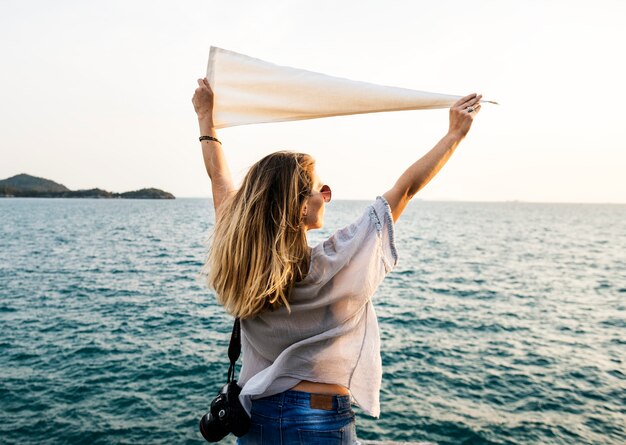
pixel 234 349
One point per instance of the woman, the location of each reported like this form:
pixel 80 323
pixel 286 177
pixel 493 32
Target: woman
pixel 310 339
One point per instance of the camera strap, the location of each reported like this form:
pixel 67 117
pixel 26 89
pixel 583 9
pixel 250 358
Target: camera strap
pixel 234 349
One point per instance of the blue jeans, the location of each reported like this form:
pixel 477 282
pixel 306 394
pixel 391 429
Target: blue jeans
pixel 296 417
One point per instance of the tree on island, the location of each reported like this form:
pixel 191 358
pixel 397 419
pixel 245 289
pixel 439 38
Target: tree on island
pixel 27 186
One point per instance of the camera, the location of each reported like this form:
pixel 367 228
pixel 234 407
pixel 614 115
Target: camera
pixel 225 416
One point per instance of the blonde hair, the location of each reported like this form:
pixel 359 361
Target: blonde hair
pixel 259 247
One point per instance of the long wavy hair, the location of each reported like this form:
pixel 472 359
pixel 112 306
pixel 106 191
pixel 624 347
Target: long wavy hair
pixel 259 247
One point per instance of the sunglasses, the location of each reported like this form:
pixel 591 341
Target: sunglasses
pixel 327 194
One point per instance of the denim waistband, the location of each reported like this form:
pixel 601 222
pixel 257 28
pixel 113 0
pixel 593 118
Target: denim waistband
pixel 301 398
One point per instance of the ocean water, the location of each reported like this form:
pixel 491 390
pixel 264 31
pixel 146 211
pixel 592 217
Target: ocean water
pixel 503 323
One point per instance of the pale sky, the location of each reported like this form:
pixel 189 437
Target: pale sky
pixel 98 93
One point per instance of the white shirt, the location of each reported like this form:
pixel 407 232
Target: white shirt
pixel 331 334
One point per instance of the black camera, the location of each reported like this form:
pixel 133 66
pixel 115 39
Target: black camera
pixel 226 415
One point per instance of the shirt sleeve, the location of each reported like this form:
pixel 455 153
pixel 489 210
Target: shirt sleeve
pixel 383 221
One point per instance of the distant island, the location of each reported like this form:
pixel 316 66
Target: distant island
pixel 27 186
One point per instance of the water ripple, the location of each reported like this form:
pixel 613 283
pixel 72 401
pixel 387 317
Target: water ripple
pixel 502 324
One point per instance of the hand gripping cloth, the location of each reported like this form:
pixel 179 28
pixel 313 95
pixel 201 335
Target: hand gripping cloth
pixel 252 91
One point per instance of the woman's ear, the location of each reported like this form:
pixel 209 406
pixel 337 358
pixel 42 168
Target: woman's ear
pixel 304 211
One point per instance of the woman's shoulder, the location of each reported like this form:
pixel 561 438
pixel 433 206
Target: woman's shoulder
pixel 374 216
pixel 348 241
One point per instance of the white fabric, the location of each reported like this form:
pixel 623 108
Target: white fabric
pixel 331 335
pixel 251 91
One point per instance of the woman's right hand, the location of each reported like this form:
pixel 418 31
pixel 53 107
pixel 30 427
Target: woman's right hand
pixel 203 100
pixel 462 114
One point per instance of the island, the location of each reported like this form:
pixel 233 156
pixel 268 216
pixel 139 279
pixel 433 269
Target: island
pixel 27 186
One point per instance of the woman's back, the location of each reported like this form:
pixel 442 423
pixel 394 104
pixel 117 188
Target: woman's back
pixel 330 333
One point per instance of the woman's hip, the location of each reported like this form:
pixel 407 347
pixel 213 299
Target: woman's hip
pixel 295 417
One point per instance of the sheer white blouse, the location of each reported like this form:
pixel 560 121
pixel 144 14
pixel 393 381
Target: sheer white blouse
pixel 331 334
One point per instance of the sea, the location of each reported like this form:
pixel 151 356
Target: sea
pixel 502 323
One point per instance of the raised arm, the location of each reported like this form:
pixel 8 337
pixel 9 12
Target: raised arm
pixel 214 159
pixel 424 169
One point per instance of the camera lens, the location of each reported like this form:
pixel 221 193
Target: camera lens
pixel 212 429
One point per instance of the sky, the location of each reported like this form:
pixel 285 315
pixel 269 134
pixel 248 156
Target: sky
pixel 98 94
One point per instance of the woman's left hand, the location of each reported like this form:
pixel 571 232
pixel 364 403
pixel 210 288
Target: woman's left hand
pixel 462 114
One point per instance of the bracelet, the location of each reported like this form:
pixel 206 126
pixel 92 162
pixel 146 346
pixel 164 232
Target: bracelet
pixel 209 138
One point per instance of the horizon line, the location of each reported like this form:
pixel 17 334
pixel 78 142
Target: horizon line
pixel 504 201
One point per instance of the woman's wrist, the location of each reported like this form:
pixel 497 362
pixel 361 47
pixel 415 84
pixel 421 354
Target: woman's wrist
pixel 455 135
pixel 207 127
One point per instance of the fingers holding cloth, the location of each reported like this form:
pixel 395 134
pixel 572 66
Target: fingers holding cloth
pixel 462 114
pixel 203 100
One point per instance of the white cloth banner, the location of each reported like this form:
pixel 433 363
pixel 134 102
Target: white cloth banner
pixel 252 91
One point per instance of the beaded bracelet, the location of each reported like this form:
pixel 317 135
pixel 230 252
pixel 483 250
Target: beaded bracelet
pixel 209 138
